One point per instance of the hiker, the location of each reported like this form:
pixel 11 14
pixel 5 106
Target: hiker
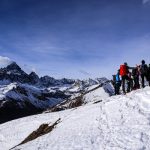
pixel 117 83
pixel 124 70
pixel 143 72
pixel 129 83
pixel 135 75
pixel 149 74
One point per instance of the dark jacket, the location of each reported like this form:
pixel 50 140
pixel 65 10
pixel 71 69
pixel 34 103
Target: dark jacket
pixel 128 68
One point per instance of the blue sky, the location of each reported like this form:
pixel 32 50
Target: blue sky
pixel 75 38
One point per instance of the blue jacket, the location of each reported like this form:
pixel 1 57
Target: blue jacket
pixel 118 78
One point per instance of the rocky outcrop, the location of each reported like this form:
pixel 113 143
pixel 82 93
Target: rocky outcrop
pixel 42 130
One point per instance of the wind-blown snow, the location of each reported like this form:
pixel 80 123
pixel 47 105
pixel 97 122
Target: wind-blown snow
pixel 117 123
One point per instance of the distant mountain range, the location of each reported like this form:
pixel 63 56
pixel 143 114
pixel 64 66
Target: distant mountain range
pixel 14 73
pixel 23 94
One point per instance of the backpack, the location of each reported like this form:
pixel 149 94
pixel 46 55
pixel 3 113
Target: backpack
pixel 123 70
pixel 144 69
pixel 117 78
pixel 134 72
pixel 118 81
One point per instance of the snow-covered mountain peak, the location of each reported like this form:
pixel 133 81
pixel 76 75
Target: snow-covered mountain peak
pixel 33 74
pixel 34 78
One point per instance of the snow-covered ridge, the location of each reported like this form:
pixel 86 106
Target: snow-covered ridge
pixel 116 123
pixel 24 94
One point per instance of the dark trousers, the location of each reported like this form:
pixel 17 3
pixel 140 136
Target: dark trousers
pixel 143 76
pixel 124 78
pixel 117 88
pixel 136 82
pixel 129 85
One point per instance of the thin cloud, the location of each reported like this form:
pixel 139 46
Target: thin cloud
pixel 145 1
pixel 5 61
pixel 28 68
pixel 84 72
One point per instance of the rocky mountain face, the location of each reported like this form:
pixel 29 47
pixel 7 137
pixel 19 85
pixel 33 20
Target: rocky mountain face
pixel 34 78
pixel 14 73
pixel 23 94
pixel 18 100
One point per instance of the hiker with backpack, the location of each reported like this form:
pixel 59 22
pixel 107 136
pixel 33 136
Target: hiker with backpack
pixel 143 72
pixel 117 83
pixel 135 75
pixel 124 70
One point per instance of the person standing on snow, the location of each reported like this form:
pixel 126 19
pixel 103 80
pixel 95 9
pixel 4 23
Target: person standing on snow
pixel 135 75
pixel 124 70
pixel 149 74
pixel 117 83
pixel 143 72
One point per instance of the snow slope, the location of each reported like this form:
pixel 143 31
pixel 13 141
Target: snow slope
pixel 98 94
pixel 4 89
pixel 29 93
pixel 117 123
